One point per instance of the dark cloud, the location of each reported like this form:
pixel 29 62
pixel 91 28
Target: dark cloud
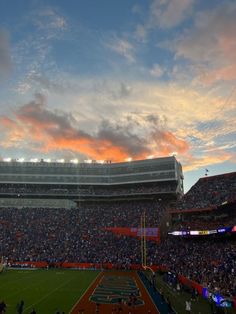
pixel 45 130
pixel 121 135
pixel 37 112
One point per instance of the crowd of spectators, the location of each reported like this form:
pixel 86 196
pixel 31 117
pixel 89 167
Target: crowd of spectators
pixel 195 223
pixel 79 235
pixel 75 235
pixel 208 261
pixel 209 192
pixel 88 191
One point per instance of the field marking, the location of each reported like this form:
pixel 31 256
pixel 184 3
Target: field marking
pixel 46 295
pixel 13 280
pixel 147 292
pixel 99 274
pixel 134 279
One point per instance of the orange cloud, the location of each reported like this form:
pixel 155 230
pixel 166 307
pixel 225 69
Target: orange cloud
pixel 227 73
pixel 193 163
pixel 40 129
pixel 167 143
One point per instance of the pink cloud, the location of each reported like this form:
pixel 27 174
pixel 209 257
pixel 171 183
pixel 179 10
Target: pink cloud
pixel 38 128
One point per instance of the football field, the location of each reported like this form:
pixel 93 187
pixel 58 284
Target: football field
pixel 46 291
pixel 74 291
pixel 78 291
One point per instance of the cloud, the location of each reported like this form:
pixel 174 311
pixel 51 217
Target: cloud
pixel 225 73
pixel 115 119
pixel 5 55
pixel 49 85
pixel 157 70
pixel 193 162
pixel 164 14
pixel 123 91
pixel 169 13
pixel 211 42
pixel 49 18
pixel 46 130
pixel 122 47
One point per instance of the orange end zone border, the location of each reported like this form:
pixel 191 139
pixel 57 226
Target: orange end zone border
pixel 112 290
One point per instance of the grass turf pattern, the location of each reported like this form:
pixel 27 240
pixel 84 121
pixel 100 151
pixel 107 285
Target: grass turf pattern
pixel 45 290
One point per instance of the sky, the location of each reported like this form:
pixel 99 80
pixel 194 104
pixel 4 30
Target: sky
pixel 120 80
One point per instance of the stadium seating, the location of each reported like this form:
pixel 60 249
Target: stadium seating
pixel 209 192
pixel 80 235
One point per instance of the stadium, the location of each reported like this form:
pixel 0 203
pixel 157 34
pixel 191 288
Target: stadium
pixel 116 238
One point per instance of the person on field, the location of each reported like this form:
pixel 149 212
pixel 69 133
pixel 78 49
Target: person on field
pixel 20 307
pixel 2 307
pixel 188 306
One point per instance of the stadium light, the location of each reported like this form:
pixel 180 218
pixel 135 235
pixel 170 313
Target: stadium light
pixel 34 160
pixel 88 161
pixel 7 159
pixel 150 157
pixel 61 160
pixel 74 161
pixel 129 159
pixel 21 159
pixel 47 160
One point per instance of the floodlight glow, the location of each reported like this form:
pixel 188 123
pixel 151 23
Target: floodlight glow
pixel 74 161
pixel 7 159
pixel 173 154
pixel 34 160
pixel 101 161
pixel 88 161
pixel 47 160
pixel 150 157
pixel 129 159
pixel 21 159
pixel 61 160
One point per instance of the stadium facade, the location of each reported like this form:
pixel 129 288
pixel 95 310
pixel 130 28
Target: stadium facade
pixel 70 182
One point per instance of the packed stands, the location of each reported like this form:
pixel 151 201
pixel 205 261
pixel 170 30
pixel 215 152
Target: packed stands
pixel 28 190
pixel 82 234
pixel 59 235
pixel 209 192
pixel 208 261
pixel 201 224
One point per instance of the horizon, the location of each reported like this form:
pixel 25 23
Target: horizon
pixel 120 81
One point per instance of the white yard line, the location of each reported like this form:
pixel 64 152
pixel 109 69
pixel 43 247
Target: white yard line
pixel 99 274
pixel 48 294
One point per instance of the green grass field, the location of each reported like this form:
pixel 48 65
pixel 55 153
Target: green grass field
pixel 44 290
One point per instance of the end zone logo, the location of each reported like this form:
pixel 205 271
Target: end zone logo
pixel 114 289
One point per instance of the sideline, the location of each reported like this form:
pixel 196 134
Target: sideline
pixel 77 302
pixel 141 282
